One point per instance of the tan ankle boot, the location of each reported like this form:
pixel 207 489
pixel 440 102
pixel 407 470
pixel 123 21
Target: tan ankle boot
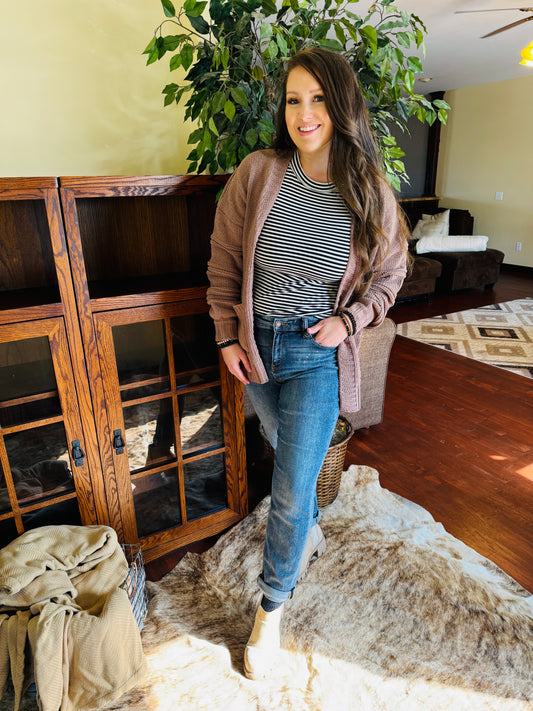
pixel 315 546
pixel 262 651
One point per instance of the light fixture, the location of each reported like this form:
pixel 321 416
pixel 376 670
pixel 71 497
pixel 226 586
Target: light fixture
pixel 527 54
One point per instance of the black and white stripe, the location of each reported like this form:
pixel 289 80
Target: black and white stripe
pixel 303 248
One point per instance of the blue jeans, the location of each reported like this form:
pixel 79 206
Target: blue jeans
pixel 298 408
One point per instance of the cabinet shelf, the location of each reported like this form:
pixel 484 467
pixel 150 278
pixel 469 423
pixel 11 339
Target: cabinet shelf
pixel 29 304
pixel 144 291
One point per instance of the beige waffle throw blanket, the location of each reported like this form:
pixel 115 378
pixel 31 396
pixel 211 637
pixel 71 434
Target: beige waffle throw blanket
pixel 63 613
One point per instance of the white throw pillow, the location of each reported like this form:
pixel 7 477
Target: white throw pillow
pixel 452 243
pixel 430 225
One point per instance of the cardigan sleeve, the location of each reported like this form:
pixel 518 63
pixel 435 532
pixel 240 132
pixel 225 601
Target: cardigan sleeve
pixel 371 309
pixel 224 269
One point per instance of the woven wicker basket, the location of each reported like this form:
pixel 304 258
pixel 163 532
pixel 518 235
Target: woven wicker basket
pixel 329 479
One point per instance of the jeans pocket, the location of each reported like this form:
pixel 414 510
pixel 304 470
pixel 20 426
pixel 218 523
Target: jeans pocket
pixel 310 337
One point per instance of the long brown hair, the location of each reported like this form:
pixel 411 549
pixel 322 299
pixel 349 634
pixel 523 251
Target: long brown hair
pixel 354 159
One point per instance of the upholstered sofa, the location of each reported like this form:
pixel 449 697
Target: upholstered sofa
pixel 422 278
pixel 450 270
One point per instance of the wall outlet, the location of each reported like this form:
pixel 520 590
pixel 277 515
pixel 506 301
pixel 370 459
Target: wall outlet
pixel 518 247
pixel 498 196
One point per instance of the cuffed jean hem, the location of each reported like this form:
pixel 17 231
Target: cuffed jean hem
pixel 271 593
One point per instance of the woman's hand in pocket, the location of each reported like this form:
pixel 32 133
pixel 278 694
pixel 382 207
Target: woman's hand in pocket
pixel 237 362
pixel 329 332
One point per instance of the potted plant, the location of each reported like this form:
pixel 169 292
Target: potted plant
pixel 233 53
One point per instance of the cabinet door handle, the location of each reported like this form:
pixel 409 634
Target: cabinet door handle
pixel 77 453
pixel 118 442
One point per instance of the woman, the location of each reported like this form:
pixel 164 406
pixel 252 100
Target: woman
pixel 308 248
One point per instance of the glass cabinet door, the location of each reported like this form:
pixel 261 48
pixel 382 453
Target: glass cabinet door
pixel 43 473
pixel 172 421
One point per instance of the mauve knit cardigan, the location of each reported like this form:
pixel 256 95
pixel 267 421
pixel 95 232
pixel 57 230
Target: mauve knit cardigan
pixel 241 213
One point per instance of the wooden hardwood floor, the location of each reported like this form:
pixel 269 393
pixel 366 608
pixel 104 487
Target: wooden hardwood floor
pixel 457 438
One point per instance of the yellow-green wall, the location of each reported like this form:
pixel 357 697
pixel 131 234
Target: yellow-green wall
pixel 487 147
pixel 77 97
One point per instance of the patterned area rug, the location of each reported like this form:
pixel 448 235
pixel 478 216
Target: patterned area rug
pixel 500 334
pixel 397 616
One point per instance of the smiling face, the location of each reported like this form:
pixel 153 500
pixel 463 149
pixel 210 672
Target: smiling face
pixel 306 116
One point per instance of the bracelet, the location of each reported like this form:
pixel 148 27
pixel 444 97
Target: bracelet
pixel 226 342
pixel 346 322
pixel 351 318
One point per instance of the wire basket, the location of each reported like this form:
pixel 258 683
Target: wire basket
pixel 135 582
pixel 329 479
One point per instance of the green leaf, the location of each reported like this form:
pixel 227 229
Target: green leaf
pixel 218 102
pixel 195 136
pixel 394 181
pixel 332 44
pixel 440 104
pixel 282 44
pixel 269 7
pixel 258 73
pixel 243 151
pixel 340 34
pixel 239 96
pixel 320 31
pixel 431 117
pixel 150 46
pixel 175 62
pixel 225 57
pixel 170 42
pixel 213 127
pixel 408 81
pixel 187 54
pixel 169 99
pixel 403 39
pixel 168 8
pixel 229 109
pixel 251 137
pixel 154 56
pixel 443 116
pixel 266 125
pixel 222 160
pixel 351 29
pixel 272 49
pixel 265 137
pixel 414 64
pixel 266 30
pixel 193 8
pixel 398 56
pixel 199 24
pixel 371 36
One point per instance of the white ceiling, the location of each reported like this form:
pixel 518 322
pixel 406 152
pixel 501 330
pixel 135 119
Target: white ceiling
pixel 456 56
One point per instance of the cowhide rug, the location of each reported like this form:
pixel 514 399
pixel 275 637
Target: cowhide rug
pixel 397 615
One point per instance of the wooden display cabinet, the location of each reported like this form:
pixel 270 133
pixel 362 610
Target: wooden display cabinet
pixel 107 351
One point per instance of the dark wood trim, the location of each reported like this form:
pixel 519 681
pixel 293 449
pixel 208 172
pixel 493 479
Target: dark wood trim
pixel 139 185
pixel 80 375
pixel 432 157
pixel 89 349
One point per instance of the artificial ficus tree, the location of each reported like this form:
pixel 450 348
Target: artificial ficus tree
pixel 233 54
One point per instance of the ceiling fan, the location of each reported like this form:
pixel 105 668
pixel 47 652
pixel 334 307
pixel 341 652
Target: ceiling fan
pixel 502 9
